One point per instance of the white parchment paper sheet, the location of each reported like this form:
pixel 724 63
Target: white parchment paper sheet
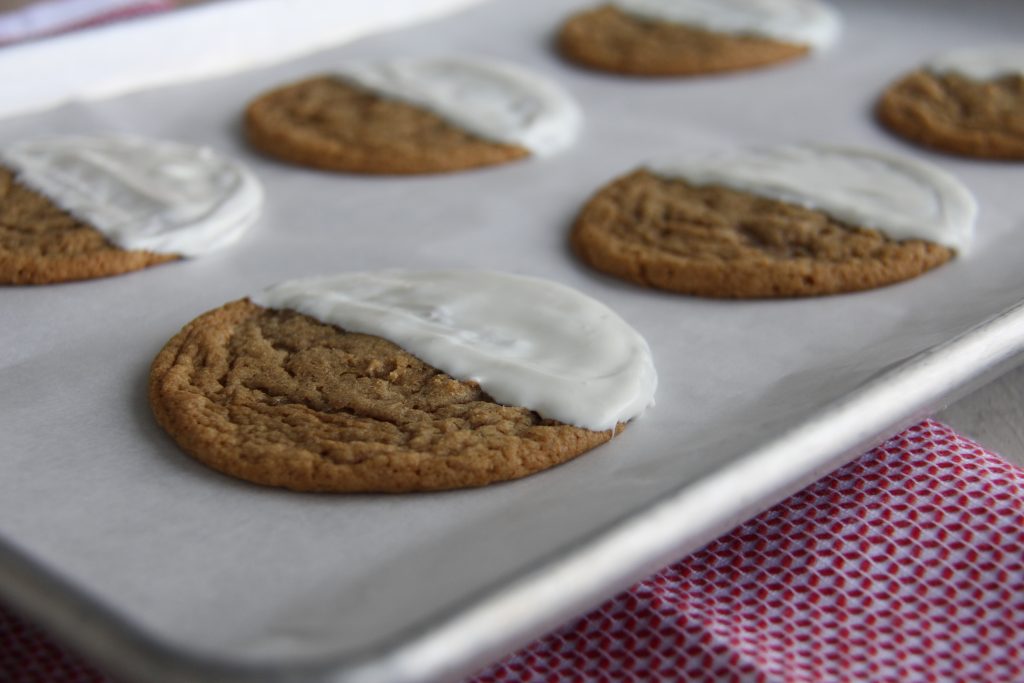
pixel 90 486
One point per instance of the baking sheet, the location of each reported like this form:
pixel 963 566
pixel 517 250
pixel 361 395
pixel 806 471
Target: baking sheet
pixel 210 567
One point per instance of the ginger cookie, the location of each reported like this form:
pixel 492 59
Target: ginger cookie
pixel 968 102
pixel 690 37
pixel 74 208
pixel 414 116
pixel 776 222
pixel 335 384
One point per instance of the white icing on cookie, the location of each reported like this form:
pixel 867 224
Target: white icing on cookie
pixel 494 100
pixel 152 195
pixel 981 63
pixel 902 197
pixel 527 342
pixel 800 22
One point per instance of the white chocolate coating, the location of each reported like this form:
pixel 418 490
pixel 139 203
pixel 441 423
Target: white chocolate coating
pixel 981 63
pixel 494 100
pixel 152 195
pixel 527 342
pixel 800 22
pixel 902 197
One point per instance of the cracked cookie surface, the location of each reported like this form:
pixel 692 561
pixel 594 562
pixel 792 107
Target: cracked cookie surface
pixel 957 114
pixel 609 39
pixel 327 123
pixel 278 398
pixel 41 243
pixel 716 242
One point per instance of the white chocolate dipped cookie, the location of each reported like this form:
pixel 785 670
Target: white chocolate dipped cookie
pixel 691 37
pixel 780 221
pixel 967 101
pixel 399 381
pixel 88 206
pixel 414 116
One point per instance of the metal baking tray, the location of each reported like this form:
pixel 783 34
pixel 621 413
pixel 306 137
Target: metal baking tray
pixel 162 570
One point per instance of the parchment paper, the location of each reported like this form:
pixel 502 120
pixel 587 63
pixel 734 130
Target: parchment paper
pixel 91 487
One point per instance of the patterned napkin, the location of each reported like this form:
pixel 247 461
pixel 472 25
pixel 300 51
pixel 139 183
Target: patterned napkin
pixel 905 565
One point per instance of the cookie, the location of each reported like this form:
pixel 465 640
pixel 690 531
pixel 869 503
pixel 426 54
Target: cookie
pixel 74 208
pixel 277 394
pixel 690 37
pixel 41 243
pixel 968 102
pixel 414 116
pixel 776 222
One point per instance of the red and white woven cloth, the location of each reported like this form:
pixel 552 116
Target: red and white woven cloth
pixel 905 565
pixel 50 17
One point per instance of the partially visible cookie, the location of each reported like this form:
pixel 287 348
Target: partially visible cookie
pixel 416 116
pixel 284 398
pixel 41 243
pixel 968 102
pixel 685 37
pixel 83 207
pixel 742 226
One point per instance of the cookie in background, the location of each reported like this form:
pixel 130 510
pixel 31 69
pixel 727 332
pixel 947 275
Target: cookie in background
pixel 968 102
pixel 694 37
